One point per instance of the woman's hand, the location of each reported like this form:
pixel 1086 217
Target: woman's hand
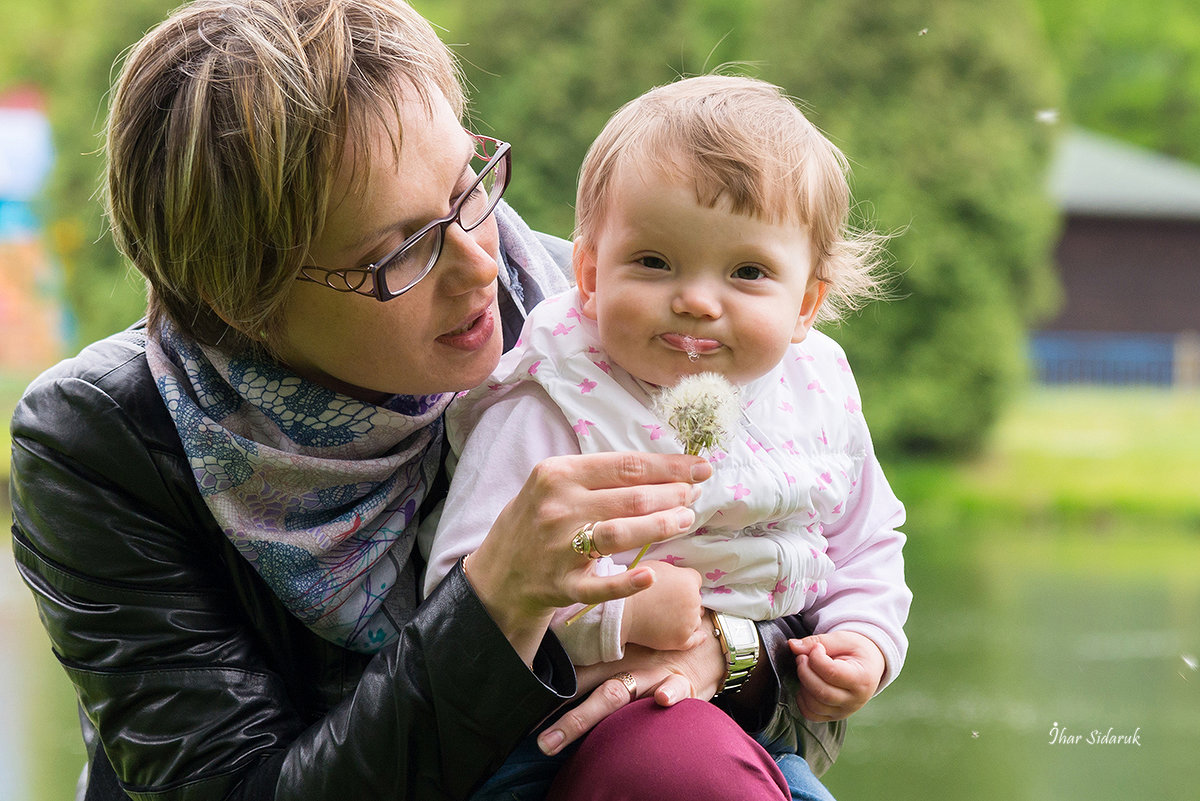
pixel 838 671
pixel 526 566
pixel 668 676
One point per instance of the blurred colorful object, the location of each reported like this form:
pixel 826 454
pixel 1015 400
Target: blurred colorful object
pixel 31 317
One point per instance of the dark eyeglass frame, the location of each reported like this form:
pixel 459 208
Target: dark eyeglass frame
pixel 352 280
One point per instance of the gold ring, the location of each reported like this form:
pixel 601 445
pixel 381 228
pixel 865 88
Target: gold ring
pixel 583 543
pixel 630 683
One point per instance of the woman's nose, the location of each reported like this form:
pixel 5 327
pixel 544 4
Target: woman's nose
pixel 469 258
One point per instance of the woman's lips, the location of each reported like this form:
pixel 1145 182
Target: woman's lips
pixel 473 334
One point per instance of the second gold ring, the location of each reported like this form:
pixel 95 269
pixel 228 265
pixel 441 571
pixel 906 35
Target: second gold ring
pixel 630 683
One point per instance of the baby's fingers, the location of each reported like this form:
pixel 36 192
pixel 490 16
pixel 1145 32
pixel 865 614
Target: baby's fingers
pixel 846 673
pixel 818 700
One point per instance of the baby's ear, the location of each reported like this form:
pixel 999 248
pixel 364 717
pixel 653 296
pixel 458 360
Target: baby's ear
pixel 583 259
pixel 814 296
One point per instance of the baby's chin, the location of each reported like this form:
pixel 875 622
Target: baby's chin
pixel 660 378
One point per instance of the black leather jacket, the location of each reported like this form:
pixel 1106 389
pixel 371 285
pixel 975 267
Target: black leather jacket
pixel 195 683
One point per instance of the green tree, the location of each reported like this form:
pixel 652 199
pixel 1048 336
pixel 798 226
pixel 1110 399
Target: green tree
pixel 547 75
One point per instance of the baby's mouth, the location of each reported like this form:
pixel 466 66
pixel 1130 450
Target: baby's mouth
pixel 694 347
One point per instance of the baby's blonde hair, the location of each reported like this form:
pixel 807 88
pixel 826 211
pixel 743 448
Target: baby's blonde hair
pixel 227 127
pixel 744 140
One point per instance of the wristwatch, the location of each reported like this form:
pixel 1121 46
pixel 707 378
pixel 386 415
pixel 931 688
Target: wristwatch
pixel 739 641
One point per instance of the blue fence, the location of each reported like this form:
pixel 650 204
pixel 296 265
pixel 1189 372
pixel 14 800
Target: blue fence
pixel 1094 358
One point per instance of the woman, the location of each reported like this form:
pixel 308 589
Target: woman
pixel 211 508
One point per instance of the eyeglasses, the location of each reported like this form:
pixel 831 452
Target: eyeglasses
pixel 404 267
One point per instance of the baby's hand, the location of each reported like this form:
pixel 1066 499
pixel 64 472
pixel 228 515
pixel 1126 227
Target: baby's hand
pixel 838 672
pixel 667 615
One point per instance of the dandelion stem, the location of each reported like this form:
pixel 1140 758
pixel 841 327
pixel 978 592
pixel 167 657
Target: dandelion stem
pixel 702 409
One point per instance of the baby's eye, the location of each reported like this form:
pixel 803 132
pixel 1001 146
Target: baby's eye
pixel 654 263
pixel 749 272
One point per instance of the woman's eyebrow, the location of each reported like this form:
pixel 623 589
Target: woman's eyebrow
pixel 412 224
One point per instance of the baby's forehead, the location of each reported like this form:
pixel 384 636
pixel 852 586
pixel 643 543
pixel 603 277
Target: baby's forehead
pixel 754 196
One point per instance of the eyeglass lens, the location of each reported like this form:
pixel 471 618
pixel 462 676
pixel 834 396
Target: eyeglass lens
pixel 404 269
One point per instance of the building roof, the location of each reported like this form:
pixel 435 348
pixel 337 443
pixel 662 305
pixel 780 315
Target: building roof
pixel 1096 175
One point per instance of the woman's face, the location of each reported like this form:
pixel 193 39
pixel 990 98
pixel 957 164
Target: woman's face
pixel 442 335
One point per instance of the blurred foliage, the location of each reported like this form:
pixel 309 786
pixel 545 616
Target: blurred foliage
pixel 546 75
pixel 935 104
pixel 1132 70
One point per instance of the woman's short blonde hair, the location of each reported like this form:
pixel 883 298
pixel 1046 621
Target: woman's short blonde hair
pixel 227 124
pixel 744 140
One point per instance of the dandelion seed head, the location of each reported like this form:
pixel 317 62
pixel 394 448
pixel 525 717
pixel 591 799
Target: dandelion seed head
pixel 703 409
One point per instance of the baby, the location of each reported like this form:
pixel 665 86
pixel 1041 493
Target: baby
pixel 712 233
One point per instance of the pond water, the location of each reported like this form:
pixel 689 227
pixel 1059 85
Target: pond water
pixel 1043 665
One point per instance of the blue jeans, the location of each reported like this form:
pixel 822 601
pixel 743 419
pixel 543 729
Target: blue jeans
pixel 801 781
pixel 527 774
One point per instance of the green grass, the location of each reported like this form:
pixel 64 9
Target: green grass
pixel 1086 455
pixel 1104 481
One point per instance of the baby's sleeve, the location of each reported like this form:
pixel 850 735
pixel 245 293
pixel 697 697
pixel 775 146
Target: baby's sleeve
pixel 596 636
pixel 866 592
pixel 500 446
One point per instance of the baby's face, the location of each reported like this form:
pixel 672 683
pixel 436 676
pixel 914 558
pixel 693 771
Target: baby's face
pixel 677 288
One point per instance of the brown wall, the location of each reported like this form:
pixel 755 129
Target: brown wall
pixel 1129 275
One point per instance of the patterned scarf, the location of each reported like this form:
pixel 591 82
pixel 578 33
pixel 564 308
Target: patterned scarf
pixel 317 490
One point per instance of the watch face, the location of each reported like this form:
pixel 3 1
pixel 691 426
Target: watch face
pixel 739 632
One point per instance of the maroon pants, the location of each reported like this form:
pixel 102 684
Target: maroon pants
pixel 691 751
